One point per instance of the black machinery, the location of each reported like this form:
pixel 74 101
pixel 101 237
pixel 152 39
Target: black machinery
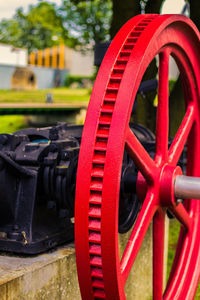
pixel 37 186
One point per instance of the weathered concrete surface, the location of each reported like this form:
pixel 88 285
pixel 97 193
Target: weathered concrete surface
pixel 52 276
pixel 139 283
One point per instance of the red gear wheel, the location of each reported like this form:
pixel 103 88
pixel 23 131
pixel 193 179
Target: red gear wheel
pixel 105 136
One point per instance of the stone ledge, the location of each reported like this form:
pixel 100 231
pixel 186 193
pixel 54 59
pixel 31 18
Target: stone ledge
pixel 53 276
pixel 48 276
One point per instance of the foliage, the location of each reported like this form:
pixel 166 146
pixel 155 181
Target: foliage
pixel 45 25
pixel 79 79
pixel 126 9
pixel 39 28
pixel 194 11
pixel 88 20
pixel 10 32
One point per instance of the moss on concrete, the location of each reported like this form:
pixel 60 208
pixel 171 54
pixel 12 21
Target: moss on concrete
pixel 53 276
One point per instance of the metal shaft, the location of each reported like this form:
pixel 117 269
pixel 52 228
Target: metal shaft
pixel 186 187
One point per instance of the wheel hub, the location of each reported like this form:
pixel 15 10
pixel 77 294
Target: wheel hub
pixel 166 185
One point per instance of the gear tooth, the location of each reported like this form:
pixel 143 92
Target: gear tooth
pixel 100 147
pixel 96 272
pixel 125 53
pixel 95 249
pixel 99 157
pixel 96 261
pixel 94 237
pixel 112 89
pixel 118 69
pixel 94 224
pixel 97 171
pixel 103 130
pixel 95 211
pixel 99 294
pixel 95 197
pixel 105 119
pixel 96 183
pixel 98 283
pixel 115 78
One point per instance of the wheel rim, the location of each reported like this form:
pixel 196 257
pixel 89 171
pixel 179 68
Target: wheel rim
pixel 106 133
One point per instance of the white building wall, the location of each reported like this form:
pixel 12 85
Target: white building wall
pixel 12 56
pixel 81 64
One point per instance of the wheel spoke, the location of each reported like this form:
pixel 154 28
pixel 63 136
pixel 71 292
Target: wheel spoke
pixel 162 122
pixel 140 228
pixel 182 215
pixel 181 136
pixel 158 253
pixel 140 156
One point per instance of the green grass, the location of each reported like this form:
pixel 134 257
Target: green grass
pixel 10 124
pixel 174 228
pixel 60 95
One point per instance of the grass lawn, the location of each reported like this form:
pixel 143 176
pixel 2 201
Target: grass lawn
pixel 60 95
pixel 12 123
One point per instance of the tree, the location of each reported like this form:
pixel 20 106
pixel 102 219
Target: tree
pixel 41 27
pixel 126 9
pixel 10 32
pixel 194 12
pixel 89 21
pixel 177 107
pixel 45 25
pixel 122 12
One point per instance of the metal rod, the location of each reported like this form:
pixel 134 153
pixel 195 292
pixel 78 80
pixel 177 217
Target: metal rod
pixel 186 187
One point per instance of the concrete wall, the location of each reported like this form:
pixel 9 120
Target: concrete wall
pixel 6 73
pixel 76 62
pixel 10 55
pixel 45 77
pixel 50 276
pixel 53 275
pixel 81 64
pixel 173 69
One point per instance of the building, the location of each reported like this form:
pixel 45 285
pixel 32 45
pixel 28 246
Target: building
pixel 41 69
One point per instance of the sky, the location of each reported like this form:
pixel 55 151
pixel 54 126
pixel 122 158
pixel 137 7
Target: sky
pixel 8 7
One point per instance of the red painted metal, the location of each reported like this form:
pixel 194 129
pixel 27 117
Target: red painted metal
pixel 105 136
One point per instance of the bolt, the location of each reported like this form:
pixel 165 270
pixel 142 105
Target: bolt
pixel 178 201
pixel 65 156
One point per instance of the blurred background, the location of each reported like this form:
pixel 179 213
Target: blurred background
pixel 47 62
pixel 47 52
